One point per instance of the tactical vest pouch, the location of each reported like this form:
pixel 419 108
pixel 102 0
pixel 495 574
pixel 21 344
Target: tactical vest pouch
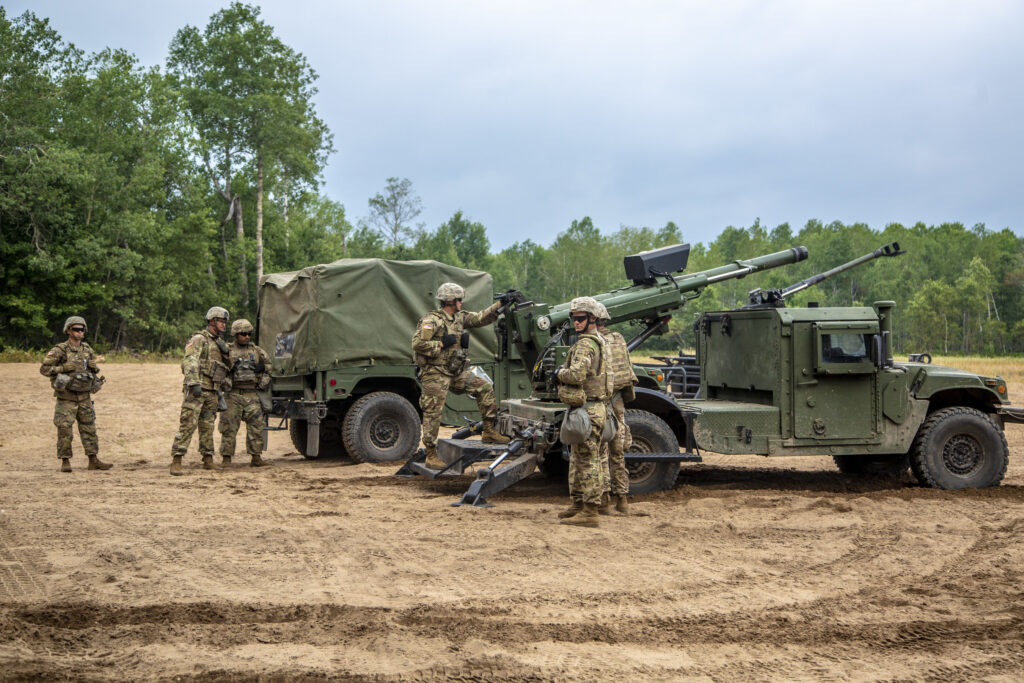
pixel 60 381
pixel 456 363
pixel 245 371
pixel 572 395
pixel 218 372
pixel 97 383
pixel 611 428
pixel 575 427
pixel 80 382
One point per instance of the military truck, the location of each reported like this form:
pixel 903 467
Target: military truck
pixel 773 381
pixel 779 381
pixel 344 380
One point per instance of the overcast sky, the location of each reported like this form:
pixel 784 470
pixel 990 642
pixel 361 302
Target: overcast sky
pixel 529 114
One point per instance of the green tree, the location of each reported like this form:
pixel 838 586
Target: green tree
pixel 392 212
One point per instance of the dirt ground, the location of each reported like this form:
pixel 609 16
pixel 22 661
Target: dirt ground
pixel 750 569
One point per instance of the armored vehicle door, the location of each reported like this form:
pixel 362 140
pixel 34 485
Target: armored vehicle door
pixel 834 383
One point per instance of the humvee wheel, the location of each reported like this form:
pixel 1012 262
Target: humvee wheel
pixel 958 448
pixel 331 445
pixel 381 427
pixel 877 465
pixel 650 435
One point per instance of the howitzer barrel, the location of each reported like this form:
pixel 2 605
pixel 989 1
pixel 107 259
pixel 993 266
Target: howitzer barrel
pixel 669 292
pixel 891 249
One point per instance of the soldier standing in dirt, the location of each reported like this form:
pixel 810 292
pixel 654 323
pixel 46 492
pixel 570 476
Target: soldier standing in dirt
pixel 250 373
pixel 74 376
pixel 439 348
pixel 613 461
pixel 585 381
pixel 205 370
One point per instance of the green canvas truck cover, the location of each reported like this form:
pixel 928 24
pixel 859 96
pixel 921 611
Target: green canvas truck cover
pixel 360 311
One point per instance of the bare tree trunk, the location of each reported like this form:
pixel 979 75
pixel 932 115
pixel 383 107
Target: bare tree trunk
pixel 259 218
pixel 285 211
pixel 240 236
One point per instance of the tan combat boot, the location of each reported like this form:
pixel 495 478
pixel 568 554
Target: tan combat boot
pixel 572 510
pixel 433 461
pixel 622 505
pixel 65 464
pixel 97 464
pixel 490 435
pixel 586 517
pixel 257 461
pixel 605 508
pixel 209 464
pixel 176 466
pixel 225 461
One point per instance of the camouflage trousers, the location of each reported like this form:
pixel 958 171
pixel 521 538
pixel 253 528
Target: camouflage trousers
pixel 65 415
pixel 242 406
pixel 196 412
pixel 436 386
pixel 615 477
pixel 586 483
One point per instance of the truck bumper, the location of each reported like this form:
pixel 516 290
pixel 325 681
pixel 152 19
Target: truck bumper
pixel 1011 414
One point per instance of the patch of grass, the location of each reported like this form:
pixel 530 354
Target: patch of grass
pixel 1010 368
pixel 36 356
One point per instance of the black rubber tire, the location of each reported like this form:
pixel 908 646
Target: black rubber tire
pixel 331 445
pixel 958 448
pixel 651 435
pixel 555 466
pixel 381 427
pixel 873 465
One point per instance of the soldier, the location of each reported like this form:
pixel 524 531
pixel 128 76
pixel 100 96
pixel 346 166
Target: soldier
pixel 439 348
pixel 250 373
pixel 205 370
pixel 586 381
pixel 74 376
pixel 613 461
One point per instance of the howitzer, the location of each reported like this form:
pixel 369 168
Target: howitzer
pixel 540 334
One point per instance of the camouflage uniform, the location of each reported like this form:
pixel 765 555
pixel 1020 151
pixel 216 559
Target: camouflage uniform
pixel 204 364
pixel 623 380
pixel 586 366
pixel 444 369
pixel 66 358
pixel 243 400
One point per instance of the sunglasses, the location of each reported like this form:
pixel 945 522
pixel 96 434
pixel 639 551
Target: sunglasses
pixel 581 318
pixel 242 334
pixel 78 329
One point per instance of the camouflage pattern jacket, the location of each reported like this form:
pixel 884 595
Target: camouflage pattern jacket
pixel 587 366
pixel 205 361
pixel 426 342
pixel 243 361
pixel 68 359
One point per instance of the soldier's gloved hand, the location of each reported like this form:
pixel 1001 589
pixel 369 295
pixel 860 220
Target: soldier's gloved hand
pixel 197 390
pixel 510 296
pixel 260 367
pixel 559 369
pixel 464 341
pixel 448 340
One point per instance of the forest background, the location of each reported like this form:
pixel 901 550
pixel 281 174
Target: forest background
pixel 139 196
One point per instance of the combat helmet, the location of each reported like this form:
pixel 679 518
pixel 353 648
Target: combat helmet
pixel 588 304
pixel 450 291
pixel 241 325
pixel 217 312
pixel 75 320
pixel 604 316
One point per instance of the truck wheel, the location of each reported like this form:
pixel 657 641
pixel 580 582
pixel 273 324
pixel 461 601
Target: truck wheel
pixel 381 427
pixel 650 435
pixel 331 445
pixel 958 448
pixel 872 465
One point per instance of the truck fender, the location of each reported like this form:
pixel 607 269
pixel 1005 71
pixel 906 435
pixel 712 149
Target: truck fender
pixel 664 406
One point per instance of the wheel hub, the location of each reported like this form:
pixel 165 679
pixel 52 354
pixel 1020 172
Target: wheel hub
pixel 962 454
pixel 639 470
pixel 384 432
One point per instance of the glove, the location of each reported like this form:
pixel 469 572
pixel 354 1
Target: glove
pixel 559 369
pixel 197 390
pixel 69 367
pixel 510 296
pixel 448 340
pixel 464 342
pixel 260 367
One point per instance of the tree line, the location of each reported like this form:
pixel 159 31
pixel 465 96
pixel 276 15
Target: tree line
pixel 138 196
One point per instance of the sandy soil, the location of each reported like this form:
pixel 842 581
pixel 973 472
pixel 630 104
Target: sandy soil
pixel 749 569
